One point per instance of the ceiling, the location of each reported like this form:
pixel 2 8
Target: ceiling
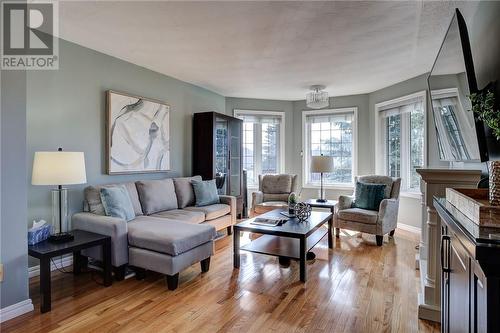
pixel 270 50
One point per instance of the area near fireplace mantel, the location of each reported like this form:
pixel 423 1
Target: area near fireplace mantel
pixel 434 183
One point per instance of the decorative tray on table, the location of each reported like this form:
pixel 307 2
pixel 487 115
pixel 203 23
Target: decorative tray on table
pixel 474 203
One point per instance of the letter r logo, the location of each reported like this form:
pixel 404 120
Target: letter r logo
pixel 27 28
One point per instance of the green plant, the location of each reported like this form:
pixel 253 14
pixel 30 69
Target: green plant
pixel 483 105
pixel 292 198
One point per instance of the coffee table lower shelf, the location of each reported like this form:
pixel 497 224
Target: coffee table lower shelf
pixel 284 247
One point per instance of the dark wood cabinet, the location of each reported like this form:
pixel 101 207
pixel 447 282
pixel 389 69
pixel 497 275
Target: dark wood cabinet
pixel 470 271
pixel 455 277
pixel 217 152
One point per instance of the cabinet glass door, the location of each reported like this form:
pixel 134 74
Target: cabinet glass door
pixel 221 155
pixel 235 169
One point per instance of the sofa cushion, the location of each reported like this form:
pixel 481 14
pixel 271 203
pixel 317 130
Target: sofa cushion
pixel 116 202
pixel 92 197
pixel 156 195
pixel 184 191
pixel 358 215
pixel 168 236
pixel 274 184
pixel 205 192
pixel 212 211
pixel 182 215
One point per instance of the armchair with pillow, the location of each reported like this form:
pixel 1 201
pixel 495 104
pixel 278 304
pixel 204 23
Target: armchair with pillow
pixel 273 192
pixel 372 209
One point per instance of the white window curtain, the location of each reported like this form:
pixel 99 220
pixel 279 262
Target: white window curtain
pixel 408 107
pixel 330 118
pixel 259 118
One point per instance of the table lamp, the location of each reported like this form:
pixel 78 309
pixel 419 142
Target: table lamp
pixel 321 164
pixel 59 168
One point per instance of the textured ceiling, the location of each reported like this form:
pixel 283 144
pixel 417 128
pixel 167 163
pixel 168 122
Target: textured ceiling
pixel 271 50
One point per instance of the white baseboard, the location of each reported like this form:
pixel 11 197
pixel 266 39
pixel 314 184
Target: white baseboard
pixel 16 310
pixel 409 228
pixel 64 261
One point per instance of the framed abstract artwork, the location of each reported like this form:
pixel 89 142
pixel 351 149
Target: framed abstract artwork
pixel 137 133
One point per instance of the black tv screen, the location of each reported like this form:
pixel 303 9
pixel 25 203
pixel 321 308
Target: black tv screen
pixel 452 79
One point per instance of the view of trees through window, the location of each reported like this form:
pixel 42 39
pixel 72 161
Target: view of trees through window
pixel 332 135
pixel 270 135
pixel 248 152
pixel 261 146
pixel 404 145
pixel 417 134
pixel 393 151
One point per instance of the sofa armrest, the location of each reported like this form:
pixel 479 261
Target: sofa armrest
pixel 114 227
pixel 345 202
pixel 257 198
pixel 231 201
pixel 388 214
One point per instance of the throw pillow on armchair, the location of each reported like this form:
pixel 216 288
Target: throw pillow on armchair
pixel 368 196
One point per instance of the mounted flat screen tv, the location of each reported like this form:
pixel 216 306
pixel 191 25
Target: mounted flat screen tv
pixel 460 134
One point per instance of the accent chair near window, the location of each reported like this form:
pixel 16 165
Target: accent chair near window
pixel 273 192
pixel 377 222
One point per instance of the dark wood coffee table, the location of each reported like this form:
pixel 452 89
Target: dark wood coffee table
pixel 292 240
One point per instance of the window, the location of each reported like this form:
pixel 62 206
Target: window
pixel 401 140
pixel 330 133
pixel 263 143
pixel 454 126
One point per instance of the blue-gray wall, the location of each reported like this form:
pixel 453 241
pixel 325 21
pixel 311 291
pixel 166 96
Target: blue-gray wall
pixel 13 246
pixel 293 131
pixel 66 108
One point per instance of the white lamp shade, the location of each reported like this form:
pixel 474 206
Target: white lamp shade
pixel 321 164
pixel 58 168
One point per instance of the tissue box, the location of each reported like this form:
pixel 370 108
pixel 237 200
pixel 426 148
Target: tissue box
pixel 39 235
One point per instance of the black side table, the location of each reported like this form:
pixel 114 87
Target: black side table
pixel 329 204
pixel 83 240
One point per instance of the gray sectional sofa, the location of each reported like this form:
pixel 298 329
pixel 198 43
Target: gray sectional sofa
pixel 168 234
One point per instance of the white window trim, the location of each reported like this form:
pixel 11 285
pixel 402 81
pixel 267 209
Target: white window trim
pixel 340 186
pixel 238 112
pixel 380 146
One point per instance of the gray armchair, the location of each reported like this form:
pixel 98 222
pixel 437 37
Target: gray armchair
pixel 378 222
pixel 273 192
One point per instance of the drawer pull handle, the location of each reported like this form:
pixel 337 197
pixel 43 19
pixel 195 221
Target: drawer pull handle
pixel 443 239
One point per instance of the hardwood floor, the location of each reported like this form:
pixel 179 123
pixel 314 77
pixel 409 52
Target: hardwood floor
pixel 357 287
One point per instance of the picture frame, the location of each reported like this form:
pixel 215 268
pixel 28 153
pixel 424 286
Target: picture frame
pixel 137 134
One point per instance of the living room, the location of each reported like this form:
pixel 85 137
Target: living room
pixel 318 93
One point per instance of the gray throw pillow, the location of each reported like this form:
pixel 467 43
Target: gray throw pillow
pixel 156 195
pixel 368 196
pixel 117 203
pixel 205 192
pixel 184 191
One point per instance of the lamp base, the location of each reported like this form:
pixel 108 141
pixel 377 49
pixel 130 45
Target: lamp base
pixel 61 237
pixel 321 200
